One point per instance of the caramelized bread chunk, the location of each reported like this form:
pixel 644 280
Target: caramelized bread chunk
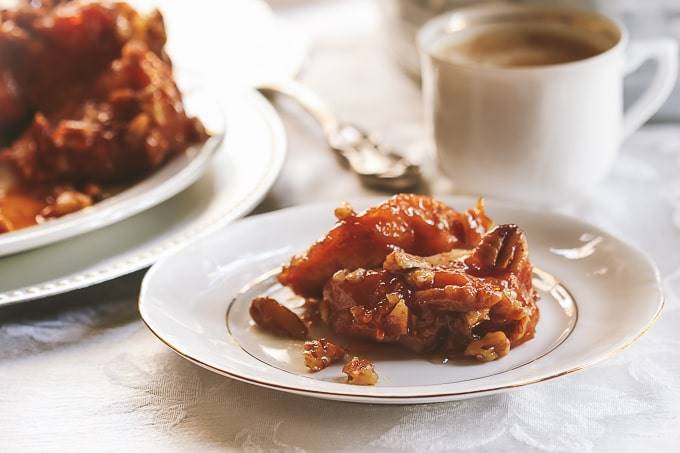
pixel 452 303
pixel 416 224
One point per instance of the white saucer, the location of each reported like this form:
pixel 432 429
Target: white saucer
pixel 240 174
pixel 196 301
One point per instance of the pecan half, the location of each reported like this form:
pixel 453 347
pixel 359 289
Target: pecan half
pixel 502 249
pixel 274 317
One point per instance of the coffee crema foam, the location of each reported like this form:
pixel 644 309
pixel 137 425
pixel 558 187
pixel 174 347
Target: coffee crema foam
pixel 518 46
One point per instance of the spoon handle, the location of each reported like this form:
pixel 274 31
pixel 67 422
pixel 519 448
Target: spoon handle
pixel 308 99
pixel 376 164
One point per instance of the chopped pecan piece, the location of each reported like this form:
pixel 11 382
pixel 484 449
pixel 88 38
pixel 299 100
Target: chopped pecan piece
pixel 421 278
pixel 360 372
pixel 491 346
pixel 67 202
pixel 399 260
pixel 402 261
pixel 396 321
pixel 321 353
pixel 460 298
pixel 271 315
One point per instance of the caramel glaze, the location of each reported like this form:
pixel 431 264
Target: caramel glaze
pixel 25 205
pixel 19 210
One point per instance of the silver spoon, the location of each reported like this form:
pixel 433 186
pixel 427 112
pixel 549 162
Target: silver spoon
pixel 377 165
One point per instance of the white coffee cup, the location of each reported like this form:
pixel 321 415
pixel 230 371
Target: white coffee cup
pixel 542 134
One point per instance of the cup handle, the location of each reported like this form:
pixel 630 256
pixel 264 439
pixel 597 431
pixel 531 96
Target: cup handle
pixel 664 51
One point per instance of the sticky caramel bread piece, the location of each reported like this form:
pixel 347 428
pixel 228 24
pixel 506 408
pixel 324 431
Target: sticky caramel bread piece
pixel 416 224
pixel 463 301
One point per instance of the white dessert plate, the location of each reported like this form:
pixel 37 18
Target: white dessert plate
pixel 598 295
pixel 239 175
pixel 173 177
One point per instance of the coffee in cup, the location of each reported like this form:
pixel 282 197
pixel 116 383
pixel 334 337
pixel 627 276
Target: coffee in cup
pixel 526 102
pixel 519 45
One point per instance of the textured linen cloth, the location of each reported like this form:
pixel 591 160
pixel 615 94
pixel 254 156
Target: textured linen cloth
pixel 81 370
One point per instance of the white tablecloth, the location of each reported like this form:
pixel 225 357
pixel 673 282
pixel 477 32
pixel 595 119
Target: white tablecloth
pixel 81 370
